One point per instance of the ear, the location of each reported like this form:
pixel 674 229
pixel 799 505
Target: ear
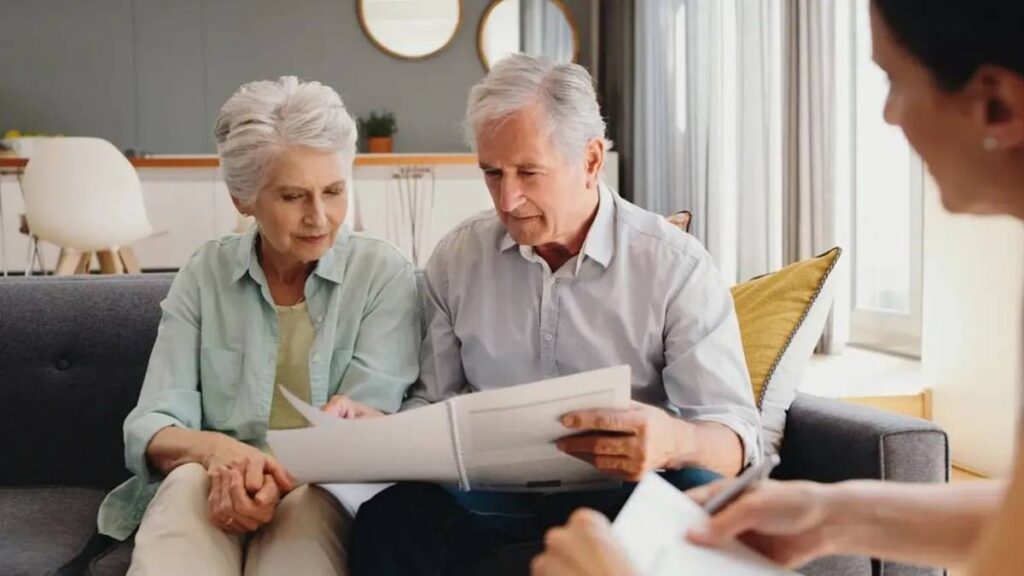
pixel 1001 93
pixel 243 209
pixel 593 161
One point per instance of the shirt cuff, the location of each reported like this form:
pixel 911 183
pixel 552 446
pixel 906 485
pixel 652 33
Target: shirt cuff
pixel 412 403
pixel 138 435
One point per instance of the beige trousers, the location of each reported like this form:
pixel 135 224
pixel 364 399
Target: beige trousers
pixel 307 535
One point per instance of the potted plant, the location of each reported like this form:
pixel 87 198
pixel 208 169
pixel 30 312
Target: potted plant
pixel 378 130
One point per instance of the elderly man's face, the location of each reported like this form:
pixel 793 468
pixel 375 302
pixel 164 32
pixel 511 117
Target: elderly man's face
pixel 302 207
pixel 539 196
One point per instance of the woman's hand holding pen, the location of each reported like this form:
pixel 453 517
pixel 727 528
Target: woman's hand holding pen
pixel 788 522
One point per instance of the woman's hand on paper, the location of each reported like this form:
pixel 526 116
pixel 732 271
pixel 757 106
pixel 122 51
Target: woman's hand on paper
pixel 585 546
pixel 232 508
pixel 629 443
pixel 345 407
pixel 785 521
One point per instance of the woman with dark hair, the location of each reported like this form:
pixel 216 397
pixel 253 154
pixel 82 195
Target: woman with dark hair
pixel 956 71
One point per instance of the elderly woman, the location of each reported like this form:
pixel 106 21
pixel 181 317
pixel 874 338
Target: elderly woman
pixel 298 302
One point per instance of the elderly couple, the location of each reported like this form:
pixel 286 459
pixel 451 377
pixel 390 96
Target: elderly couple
pixel 564 276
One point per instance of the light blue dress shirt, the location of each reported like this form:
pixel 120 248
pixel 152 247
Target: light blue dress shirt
pixel 641 292
pixel 215 356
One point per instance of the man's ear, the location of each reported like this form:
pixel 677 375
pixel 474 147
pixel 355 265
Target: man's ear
pixel 593 161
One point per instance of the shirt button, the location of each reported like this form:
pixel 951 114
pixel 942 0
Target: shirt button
pixel 316 358
pixel 548 337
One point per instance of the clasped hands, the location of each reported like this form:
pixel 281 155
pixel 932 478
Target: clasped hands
pixel 246 485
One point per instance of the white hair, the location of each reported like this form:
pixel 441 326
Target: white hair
pixel 565 93
pixel 264 118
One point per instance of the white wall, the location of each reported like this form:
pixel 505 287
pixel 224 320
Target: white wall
pixel 971 345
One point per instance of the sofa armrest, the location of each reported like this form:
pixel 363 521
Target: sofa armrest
pixel 828 440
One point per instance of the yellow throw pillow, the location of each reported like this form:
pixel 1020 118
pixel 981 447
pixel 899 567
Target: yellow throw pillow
pixel 781 317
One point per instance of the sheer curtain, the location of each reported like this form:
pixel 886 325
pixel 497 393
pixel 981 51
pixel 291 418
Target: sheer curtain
pixel 659 149
pixel 817 132
pixel 708 126
pixel 739 119
pixel 545 30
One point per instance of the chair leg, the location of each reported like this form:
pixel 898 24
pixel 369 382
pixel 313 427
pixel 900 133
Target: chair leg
pixel 67 263
pixel 39 258
pixel 131 264
pixel 31 253
pixel 110 262
pixel 84 263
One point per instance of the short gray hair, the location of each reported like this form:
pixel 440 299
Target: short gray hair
pixel 264 118
pixel 564 91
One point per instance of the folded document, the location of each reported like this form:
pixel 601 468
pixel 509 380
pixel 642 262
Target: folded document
pixel 652 529
pixel 493 440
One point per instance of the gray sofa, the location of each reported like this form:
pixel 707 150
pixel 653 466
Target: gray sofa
pixel 73 353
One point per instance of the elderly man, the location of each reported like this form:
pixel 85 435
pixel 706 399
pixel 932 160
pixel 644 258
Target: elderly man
pixel 564 277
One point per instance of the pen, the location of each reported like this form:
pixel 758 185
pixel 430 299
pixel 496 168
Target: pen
pixel 744 481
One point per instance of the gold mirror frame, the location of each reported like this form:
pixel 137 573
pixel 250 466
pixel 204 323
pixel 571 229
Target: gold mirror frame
pixel 561 6
pixel 380 46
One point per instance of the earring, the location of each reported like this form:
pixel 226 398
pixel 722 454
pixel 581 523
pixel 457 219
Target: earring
pixel 990 143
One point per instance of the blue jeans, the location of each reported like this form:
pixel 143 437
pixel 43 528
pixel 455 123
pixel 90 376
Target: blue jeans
pixel 425 529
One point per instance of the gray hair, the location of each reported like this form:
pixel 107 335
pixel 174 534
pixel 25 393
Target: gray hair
pixel 264 118
pixel 564 91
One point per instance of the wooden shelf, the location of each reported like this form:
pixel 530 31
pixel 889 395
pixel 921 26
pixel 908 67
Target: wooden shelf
pixel 15 163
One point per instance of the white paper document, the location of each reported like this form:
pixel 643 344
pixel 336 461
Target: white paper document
pixel 494 440
pixel 652 529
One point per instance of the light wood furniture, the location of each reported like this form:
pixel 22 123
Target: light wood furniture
pixel 917 405
pixel 187 197
pixel 121 261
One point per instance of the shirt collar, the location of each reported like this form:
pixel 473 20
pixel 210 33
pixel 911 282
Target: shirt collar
pixel 599 244
pixel 331 265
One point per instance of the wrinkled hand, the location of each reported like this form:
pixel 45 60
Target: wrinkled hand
pixel 785 521
pixel 253 465
pixel 232 509
pixel 345 407
pixel 585 546
pixel 629 443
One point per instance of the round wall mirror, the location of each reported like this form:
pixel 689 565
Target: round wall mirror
pixel 410 29
pixel 541 27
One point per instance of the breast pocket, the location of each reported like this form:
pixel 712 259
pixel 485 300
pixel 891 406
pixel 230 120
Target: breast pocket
pixel 219 375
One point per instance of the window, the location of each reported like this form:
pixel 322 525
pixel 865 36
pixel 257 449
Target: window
pixel 887 195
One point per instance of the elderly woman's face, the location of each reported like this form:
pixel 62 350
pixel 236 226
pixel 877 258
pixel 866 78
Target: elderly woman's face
pixel 302 207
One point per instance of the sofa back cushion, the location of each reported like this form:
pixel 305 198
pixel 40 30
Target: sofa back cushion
pixel 73 354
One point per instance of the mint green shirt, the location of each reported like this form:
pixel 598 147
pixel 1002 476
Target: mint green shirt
pixel 214 360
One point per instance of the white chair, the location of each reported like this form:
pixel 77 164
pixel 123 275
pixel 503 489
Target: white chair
pixel 83 195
